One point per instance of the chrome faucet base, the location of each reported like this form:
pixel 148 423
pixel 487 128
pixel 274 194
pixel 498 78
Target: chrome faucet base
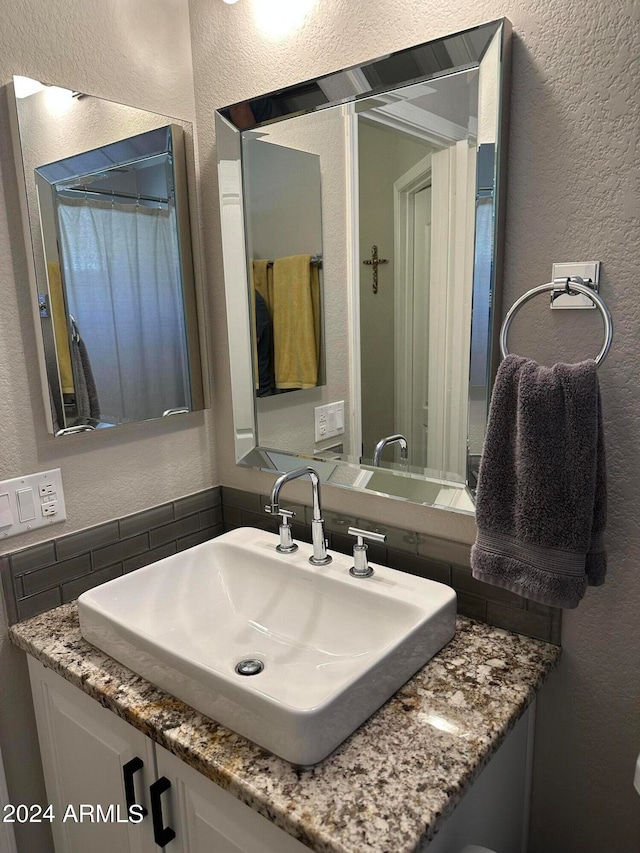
pixel 361 567
pixel 358 573
pixel 287 545
pixel 320 556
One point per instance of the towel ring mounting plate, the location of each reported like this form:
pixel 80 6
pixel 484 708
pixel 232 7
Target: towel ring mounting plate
pixel 572 285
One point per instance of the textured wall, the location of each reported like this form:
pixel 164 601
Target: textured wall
pixel 132 54
pixel 572 195
pixel 136 53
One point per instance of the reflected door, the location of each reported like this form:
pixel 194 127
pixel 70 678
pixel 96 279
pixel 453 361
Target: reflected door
pixel 419 405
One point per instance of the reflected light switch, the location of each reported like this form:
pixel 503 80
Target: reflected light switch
pixel 6 516
pixel 26 508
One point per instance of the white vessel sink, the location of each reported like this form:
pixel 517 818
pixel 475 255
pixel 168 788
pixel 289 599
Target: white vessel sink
pixel 334 647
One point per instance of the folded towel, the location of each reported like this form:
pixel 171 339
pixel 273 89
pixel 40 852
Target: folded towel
pixel 541 501
pixel 295 309
pixel 59 316
pixel 87 403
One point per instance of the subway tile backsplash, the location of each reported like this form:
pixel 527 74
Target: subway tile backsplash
pixel 50 573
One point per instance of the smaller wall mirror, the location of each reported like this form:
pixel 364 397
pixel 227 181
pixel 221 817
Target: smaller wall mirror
pixel 108 217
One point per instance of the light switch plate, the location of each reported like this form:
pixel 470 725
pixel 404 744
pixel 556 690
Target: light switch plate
pixel 46 497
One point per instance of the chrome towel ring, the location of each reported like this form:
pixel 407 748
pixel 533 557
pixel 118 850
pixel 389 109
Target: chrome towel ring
pixel 571 285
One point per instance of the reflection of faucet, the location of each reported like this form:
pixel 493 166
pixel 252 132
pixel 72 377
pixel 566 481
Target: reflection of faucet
pixel 320 556
pixel 391 439
pixel 76 428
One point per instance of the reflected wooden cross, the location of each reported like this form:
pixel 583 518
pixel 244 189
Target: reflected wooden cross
pixel 375 263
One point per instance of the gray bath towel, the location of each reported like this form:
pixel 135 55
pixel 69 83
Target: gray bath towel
pixel 542 498
pixel 87 403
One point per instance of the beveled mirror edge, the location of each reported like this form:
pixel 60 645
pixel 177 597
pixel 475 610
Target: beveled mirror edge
pixel 191 210
pixel 190 251
pixel 501 194
pixel 498 24
pixel 188 278
pixel 495 305
pixel 21 177
pixel 259 459
pixel 236 285
pixel 236 274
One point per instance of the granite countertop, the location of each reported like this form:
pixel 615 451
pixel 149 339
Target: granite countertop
pixel 418 754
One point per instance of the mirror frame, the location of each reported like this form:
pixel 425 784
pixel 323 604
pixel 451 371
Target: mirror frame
pixel 180 135
pixel 248 453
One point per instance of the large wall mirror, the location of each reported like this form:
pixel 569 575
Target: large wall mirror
pixel 107 213
pixel 362 225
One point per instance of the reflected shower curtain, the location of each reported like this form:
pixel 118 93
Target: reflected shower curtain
pixel 122 276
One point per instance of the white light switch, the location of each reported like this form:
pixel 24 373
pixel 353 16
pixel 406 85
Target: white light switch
pixel 35 500
pixel 6 516
pixel 26 508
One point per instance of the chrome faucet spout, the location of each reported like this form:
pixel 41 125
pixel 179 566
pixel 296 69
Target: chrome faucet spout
pixel 320 556
pixel 293 475
pixel 391 439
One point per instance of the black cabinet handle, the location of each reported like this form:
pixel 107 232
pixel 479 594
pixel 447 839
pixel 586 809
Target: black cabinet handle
pixel 161 834
pixel 128 770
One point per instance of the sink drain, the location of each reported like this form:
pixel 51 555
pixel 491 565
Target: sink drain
pixel 250 666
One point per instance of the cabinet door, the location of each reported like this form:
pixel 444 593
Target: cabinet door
pixel 85 749
pixel 207 819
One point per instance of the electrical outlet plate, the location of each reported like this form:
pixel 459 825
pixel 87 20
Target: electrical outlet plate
pixel 586 270
pixel 329 420
pixel 32 501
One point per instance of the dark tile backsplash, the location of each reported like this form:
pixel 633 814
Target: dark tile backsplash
pixel 417 553
pixel 51 573
pixel 46 575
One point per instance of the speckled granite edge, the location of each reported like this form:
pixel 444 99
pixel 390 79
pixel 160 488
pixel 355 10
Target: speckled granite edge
pixel 419 753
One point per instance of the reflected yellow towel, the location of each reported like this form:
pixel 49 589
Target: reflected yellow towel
pixel 295 308
pixel 60 327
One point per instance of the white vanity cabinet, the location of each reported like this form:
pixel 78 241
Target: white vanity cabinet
pixel 85 749
pixel 86 755
pixel 207 819
pixel 88 752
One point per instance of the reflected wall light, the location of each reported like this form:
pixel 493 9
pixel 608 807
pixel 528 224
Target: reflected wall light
pixel 57 99
pixel 279 17
pixel 25 86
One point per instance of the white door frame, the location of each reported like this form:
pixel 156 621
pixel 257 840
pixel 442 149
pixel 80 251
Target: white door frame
pixel 404 189
pixel 451 174
pixel 353 276
pixel 453 198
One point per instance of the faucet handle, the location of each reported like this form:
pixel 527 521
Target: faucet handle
pixel 366 534
pixel 274 509
pixel 361 567
pixel 287 545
